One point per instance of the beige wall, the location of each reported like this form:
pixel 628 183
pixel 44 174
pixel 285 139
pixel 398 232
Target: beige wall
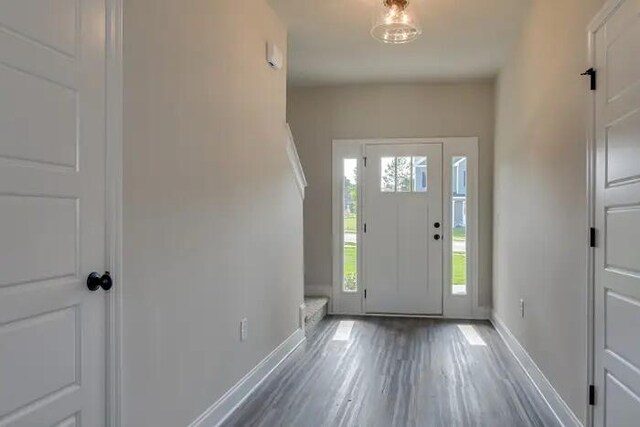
pixel 540 185
pixel 319 115
pixel 212 215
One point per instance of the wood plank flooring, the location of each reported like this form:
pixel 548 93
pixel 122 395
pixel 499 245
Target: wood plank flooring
pixel 397 372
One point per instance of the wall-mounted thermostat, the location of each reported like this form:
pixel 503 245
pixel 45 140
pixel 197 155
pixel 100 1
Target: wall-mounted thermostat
pixel 274 56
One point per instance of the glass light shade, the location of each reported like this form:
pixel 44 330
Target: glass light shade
pixel 395 25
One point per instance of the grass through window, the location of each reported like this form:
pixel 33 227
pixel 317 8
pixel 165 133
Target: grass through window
pixel 459 268
pixel 350 223
pixel 350 267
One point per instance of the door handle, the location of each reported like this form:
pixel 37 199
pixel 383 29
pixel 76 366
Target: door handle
pixel 95 281
pixel 436 225
pixel 436 236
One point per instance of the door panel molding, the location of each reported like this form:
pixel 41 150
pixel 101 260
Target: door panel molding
pixel 63 78
pixel 613 195
pixel 402 261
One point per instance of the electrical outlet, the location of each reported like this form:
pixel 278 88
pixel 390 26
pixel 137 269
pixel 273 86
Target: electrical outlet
pixel 244 329
pixel 521 307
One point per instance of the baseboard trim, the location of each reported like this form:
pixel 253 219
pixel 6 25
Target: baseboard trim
pixel 558 406
pixel 411 316
pixel 232 399
pixel 482 312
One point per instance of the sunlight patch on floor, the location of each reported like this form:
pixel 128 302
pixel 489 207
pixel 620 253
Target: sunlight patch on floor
pixel 472 336
pixel 344 330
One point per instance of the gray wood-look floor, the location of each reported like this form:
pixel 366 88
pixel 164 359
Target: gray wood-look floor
pixel 396 372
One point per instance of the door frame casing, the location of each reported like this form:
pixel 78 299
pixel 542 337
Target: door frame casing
pixel 608 9
pixel 114 176
pixel 453 306
pixel 461 305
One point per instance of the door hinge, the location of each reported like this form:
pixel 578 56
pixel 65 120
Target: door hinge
pixel 592 395
pixel 365 294
pixel 365 227
pixel 365 161
pixel 592 73
pixel 592 237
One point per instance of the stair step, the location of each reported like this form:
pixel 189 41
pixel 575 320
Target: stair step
pixel 315 310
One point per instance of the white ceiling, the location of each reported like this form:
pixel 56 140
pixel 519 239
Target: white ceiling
pixel 329 41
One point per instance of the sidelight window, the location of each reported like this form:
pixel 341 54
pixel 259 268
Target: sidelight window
pixel 459 264
pixel 350 225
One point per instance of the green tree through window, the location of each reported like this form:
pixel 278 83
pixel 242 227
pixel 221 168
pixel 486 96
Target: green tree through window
pixel 396 175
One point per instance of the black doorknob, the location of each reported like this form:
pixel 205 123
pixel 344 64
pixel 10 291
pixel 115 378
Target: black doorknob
pixel 95 281
pixel 436 236
pixel 436 225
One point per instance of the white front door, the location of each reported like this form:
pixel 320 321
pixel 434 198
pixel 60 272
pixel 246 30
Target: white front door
pixel 52 212
pixel 617 257
pixel 402 208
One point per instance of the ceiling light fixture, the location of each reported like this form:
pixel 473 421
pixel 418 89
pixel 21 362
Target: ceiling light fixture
pixel 394 24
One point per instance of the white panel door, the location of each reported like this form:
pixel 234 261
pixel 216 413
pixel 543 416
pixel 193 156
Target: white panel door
pixel 402 208
pixel 617 258
pixel 52 212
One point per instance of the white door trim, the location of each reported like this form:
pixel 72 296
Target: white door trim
pixel 453 307
pixel 598 20
pixel 114 141
pixel 344 302
pixel 467 305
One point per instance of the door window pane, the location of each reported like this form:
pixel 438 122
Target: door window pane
pixel 388 174
pixel 350 225
pixel 459 225
pixel 419 174
pixel 403 174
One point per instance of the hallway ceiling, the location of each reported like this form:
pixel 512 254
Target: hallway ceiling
pixel 329 41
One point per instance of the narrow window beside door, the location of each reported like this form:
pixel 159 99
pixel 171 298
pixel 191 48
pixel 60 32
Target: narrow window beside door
pixel 350 225
pixel 459 225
